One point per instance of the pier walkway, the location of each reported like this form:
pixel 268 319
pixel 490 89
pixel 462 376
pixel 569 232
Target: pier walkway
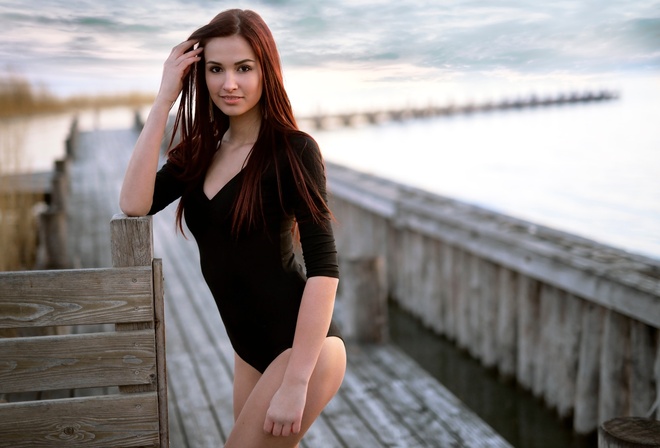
pixel 385 400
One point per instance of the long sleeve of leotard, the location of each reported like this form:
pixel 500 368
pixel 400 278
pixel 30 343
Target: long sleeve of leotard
pixel 317 238
pixel 167 188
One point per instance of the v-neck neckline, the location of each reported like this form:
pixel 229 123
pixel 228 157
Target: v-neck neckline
pixel 217 193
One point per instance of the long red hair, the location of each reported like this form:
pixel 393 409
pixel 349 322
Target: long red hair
pixel 200 125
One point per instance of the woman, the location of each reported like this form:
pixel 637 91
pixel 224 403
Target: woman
pixel 247 177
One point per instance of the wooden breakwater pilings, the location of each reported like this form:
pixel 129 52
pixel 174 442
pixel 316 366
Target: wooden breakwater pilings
pixel 322 120
pixel 575 322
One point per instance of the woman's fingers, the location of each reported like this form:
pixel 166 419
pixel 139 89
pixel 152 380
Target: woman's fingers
pixel 280 429
pixel 176 67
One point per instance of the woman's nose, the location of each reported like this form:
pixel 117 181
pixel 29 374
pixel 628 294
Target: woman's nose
pixel 230 82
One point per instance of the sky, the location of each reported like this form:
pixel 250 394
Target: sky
pixel 94 46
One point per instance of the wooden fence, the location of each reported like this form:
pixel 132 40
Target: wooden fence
pixel 575 322
pixel 127 405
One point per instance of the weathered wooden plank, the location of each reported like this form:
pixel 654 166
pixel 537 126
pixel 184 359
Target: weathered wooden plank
pixel 476 306
pixel 642 382
pixel 587 385
pixel 528 331
pixel 506 334
pixel 191 401
pixel 177 433
pixel 102 422
pixel 568 359
pixel 365 393
pixel 467 429
pixel 161 363
pixel 77 361
pixel 433 287
pixel 489 313
pixel 447 291
pixel 544 355
pixel 364 295
pixel 462 297
pixel 321 435
pixel 73 297
pixel 614 384
pixel 349 425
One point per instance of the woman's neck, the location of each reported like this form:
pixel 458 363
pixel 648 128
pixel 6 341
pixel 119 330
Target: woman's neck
pixel 243 129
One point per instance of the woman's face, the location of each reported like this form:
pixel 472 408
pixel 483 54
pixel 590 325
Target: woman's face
pixel 233 75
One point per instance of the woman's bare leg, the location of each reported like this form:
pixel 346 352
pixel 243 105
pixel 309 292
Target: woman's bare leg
pixel 323 385
pixel 245 378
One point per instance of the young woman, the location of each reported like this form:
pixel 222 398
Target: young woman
pixel 247 178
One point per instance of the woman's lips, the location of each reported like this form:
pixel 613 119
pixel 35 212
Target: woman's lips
pixel 229 99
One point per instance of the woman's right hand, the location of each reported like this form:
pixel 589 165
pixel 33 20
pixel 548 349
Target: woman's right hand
pixel 175 69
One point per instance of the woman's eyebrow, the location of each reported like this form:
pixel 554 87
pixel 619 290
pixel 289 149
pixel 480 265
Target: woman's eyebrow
pixel 243 61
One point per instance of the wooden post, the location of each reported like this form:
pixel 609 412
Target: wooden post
pixel 62 167
pixel 59 192
pixel 629 432
pixel 132 245
pixel 132 241
pixel 54 230
pixel 364 296
pixel 72 140
pixel 138 124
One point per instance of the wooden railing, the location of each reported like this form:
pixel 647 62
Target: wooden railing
pixel 126 367
pixel 573 321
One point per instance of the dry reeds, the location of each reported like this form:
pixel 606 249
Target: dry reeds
pixel 19 97
pixel 18 218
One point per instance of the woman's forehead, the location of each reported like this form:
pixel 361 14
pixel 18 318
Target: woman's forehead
pixel 228 50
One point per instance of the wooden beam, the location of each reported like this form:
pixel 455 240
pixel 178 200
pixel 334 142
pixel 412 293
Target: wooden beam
pixel 91 422
pixel 75 297
pixel 77 361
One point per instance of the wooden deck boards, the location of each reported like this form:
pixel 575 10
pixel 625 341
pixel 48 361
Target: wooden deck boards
pixel 386 399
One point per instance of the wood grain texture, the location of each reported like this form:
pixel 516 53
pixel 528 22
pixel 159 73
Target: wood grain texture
pixel 161 362
pixel 99 422
pixel 75 297
pixel 631 432
pixel 77 361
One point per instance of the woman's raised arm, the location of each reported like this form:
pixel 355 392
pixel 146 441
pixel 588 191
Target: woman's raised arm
pixel 138 187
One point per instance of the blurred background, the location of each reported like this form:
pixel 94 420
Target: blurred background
pixel 591 169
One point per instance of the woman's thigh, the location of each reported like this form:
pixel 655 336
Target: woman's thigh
pixel 245 378
pixel 323 385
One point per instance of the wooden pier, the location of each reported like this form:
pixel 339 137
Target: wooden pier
pixel 575 322
pixel 372 117
pixel 385 400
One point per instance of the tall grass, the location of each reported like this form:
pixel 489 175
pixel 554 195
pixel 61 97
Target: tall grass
pixel 18 217
pixel 20 97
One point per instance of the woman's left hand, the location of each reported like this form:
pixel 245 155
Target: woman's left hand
pixel 284 416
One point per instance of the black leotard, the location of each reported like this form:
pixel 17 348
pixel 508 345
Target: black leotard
pixel 255 279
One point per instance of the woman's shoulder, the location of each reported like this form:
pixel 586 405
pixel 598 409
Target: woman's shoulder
pixel 301 142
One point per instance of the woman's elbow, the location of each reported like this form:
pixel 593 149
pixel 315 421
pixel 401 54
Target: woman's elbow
pixel 129 208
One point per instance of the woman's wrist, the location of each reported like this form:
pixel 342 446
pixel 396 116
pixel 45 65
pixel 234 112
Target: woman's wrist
pixel 295 381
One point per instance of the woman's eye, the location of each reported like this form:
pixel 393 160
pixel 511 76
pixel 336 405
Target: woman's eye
pixel 244 68
pixel 215 69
